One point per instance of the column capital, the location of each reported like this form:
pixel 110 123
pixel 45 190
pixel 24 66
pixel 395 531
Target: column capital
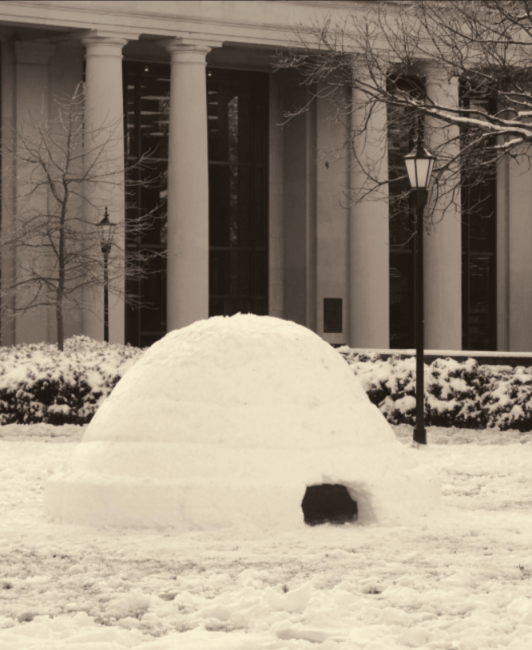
pixel 369 77
pixel 362 68
pixel 436 72
pixel 182 44
pixel 115 39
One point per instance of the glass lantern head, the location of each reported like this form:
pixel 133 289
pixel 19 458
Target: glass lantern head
pixel 419 165
pixel 106 230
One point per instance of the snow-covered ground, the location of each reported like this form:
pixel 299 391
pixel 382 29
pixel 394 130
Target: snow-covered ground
pixel 463 581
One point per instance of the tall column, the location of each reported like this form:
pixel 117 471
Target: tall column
pixel 328 236
pixel 369 252
pixel 8 193
pixel 299 207
pixel 31 98
pixel 443 253
pixel 519 243
pixel 66 70
pixel 188 185
pixel 104 141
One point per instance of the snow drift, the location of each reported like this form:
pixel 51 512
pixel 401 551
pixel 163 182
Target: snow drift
pixel 225 423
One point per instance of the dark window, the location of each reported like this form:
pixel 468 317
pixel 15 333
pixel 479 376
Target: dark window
pixel 237 107
pixel 238 218
pixel 146 98
pixel 403 126
pixel 479 196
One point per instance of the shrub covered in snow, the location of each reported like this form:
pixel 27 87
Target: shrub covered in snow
pixel 457 394
pixel 38 383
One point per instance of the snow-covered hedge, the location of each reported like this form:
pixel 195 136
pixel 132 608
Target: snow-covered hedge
pixel 38 383
pixel 457 394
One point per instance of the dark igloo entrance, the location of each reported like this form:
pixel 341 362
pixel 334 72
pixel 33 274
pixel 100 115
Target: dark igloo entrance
pixel 328 504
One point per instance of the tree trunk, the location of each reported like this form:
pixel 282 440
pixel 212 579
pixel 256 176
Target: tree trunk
pixel 61 280
pixel 59 321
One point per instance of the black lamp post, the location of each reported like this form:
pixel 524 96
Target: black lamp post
pixel 419 164
pixel 106 230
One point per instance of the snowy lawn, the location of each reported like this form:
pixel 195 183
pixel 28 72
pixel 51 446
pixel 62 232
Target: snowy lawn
pixel 461 582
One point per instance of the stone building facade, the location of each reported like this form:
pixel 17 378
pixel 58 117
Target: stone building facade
pixel 254 216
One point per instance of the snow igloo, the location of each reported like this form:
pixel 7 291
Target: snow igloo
pixel 235 421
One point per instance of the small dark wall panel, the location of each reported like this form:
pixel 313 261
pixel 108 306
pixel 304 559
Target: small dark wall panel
pixel 332 315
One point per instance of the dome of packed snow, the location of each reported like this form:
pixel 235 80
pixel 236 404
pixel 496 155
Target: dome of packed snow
pixel 234 421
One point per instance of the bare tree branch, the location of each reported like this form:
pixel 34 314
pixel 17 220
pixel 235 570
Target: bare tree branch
pixel 380 56
pixel 57 248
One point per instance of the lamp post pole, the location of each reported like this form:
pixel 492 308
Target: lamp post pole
pixel 105 250
pixel 106 229
pixel 420 435
pixel 419 164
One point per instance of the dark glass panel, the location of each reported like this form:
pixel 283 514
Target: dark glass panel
pixel 403 127
pixel 231 306
pixel 237 130
pixel 153 294
pixel 154 113
pixel 237 273
pixel 402 226
pixel 234 207
pixel 220 208
pixel 480 334
pixel 481 231
pixel 260 274
pixel 236 105
pixel 401 300
pixel 228 120
pixel 238 223
pixel 479 228
pixel 147 89
pixel 258 204
pixel 130 117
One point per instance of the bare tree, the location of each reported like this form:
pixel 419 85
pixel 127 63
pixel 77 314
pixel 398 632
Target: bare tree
pixel 59 261
pixel 379 55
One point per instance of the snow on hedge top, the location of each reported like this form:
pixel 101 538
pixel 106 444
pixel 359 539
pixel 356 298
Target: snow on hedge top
pixel 41 361
pixel 248 380
pixel 39 383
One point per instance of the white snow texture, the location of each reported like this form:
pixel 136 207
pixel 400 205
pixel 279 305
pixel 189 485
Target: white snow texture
pixel 225 423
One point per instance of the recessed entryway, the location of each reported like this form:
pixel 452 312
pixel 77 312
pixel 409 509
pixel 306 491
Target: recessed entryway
pixel 328 504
